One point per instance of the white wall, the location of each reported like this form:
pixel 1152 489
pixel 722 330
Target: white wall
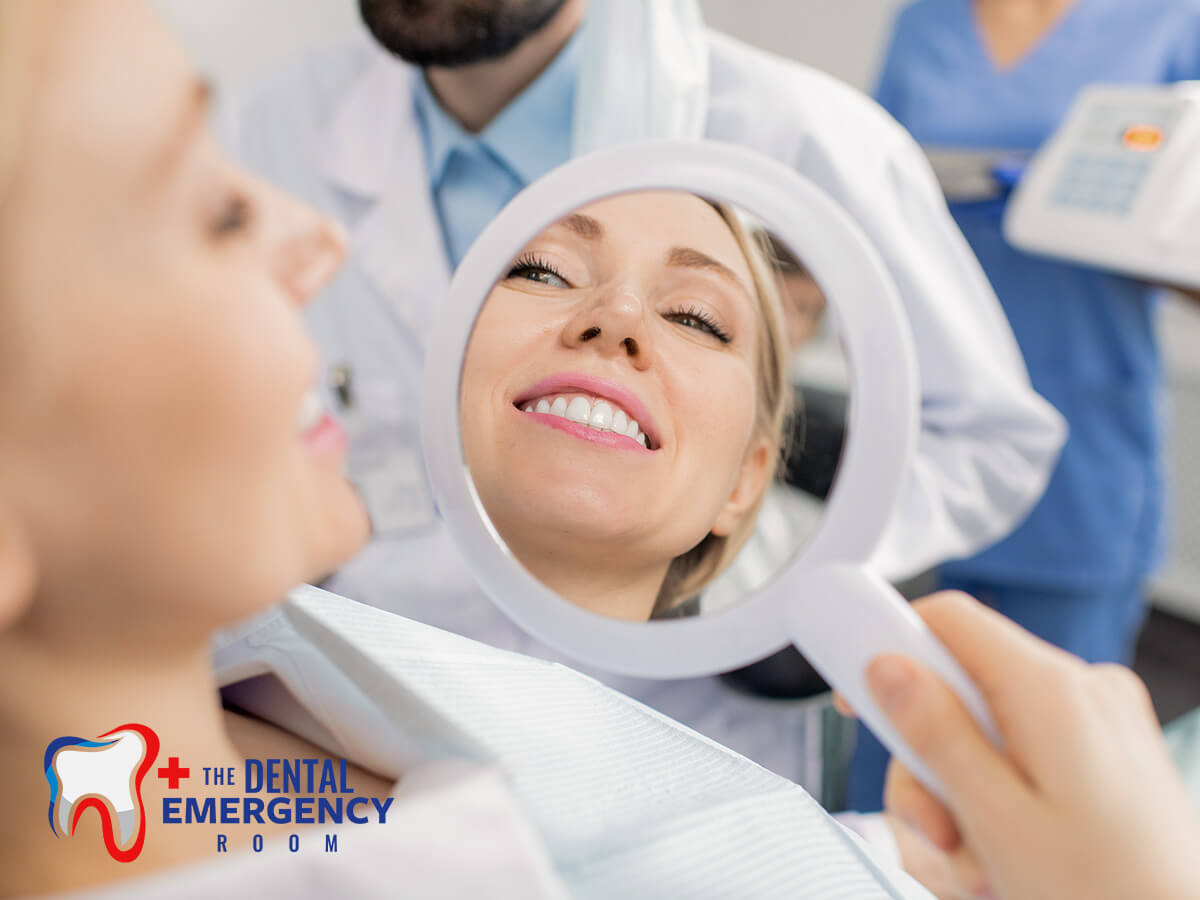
pixel 846 38
pixel 232 40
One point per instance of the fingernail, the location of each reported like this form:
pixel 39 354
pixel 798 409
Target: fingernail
pixel 891 681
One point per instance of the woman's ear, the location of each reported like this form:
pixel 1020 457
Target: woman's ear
pixel 749 487
pixel 18 572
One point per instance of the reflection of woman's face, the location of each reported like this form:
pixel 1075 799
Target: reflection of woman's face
pixel 158 436
pixel 608 396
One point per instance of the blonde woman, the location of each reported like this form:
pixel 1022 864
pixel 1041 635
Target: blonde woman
pixel 623 399
pixel 165 471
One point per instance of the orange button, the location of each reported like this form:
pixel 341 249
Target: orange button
pixel 1143 137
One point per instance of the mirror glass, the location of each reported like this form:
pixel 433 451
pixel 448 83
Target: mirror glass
pixel 653 405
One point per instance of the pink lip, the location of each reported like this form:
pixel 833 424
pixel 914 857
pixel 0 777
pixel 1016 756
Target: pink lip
pixel 327 436
pixel 568 382
pixel 603 438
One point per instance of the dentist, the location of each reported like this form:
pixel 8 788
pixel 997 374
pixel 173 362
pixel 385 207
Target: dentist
pixel 415 139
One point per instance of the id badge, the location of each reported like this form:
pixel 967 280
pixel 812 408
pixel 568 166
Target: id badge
pixel 387 470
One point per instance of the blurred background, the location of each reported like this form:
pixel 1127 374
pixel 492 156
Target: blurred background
pixel 236 40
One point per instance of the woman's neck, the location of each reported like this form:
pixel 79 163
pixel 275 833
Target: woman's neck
pixel 1011 29
pixel 47 693
pixel 618 590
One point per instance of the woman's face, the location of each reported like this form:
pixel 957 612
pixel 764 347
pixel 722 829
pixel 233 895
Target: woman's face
pixel 161 443
pixel 636 309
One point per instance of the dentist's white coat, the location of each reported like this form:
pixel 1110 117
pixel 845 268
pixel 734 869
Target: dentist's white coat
pixel 338 129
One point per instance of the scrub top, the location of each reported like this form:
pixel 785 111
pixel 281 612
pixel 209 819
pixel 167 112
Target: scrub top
pixel 1087 336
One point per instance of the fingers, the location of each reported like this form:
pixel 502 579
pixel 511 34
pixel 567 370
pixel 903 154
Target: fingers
pixel 908 799
pixel 842 705
pixel 933 722
pixel 988 646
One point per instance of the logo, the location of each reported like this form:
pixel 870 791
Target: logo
pixel 105 775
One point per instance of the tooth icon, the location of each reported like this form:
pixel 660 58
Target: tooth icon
pixel 106 775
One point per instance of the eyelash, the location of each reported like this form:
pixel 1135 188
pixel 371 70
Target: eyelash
pixel 531 263
pixel 705 319
pixel 236 215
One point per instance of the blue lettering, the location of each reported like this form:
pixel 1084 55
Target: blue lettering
pixel 293 842
pixel 252 809
pixel 272 776
pixel 229 811
pixel 257 843
pixel 383 808
pixel 328 781
pixel 350 814
pixel 279 818
pixel 329 810
pixel 331 843
pixel 291 776
pixel 203 813
pixel 304 811
pixel 171 810
pixel 222 844
pixel 254 776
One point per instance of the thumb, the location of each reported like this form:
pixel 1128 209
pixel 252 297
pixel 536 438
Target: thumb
pixel 979 781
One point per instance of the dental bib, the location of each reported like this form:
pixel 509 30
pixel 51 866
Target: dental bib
pixel 626 802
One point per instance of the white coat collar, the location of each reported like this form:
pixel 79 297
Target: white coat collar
pixel 375 151
pixel 359 153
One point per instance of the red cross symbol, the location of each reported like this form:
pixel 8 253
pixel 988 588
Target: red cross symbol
pixel 173 773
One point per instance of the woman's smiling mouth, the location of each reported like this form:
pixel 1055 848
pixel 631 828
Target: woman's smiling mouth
pixel 591 408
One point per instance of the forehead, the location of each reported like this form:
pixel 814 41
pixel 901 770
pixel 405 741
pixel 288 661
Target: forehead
pixel 112 91
pixel 652 223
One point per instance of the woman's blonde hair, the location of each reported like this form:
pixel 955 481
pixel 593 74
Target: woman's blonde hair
pixel 692 571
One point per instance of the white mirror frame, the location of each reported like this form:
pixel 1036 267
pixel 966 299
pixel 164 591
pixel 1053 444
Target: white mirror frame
pixel 884 411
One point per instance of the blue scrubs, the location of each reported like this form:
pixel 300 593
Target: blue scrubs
pixel 1074 571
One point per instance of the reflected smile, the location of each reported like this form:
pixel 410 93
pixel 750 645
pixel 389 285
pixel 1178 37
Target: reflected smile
pixel 597 414
pixel 592 408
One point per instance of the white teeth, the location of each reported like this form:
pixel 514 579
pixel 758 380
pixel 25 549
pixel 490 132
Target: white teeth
pixel 311 410
pixel 594 413
pixel 579 410
pixel 602 415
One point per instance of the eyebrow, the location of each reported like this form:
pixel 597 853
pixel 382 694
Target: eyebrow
pixel 192 117
pixel 690 258
pixel 584 226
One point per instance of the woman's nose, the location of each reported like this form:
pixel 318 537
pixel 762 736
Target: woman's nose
pixel 308 247
pixel 614 325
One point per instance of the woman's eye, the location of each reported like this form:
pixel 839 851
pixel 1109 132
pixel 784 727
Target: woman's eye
pixel 538 270
pixel 234 216
pixel 700 321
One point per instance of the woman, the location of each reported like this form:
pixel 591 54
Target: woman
pixel 623 399
pixel 165 471
pixel 987 74
pixel 165 468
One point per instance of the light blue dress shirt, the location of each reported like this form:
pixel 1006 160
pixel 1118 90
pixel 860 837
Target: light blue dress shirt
pixel 1087 336
pixel 472 176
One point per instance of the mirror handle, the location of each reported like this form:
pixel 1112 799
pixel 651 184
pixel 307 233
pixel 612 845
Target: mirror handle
pixel 848 617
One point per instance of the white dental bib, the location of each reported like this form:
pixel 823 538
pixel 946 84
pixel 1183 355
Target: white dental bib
pixel 518 778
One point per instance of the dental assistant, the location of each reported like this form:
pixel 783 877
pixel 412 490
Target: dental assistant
pixel 415 154
pixel 1002 74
